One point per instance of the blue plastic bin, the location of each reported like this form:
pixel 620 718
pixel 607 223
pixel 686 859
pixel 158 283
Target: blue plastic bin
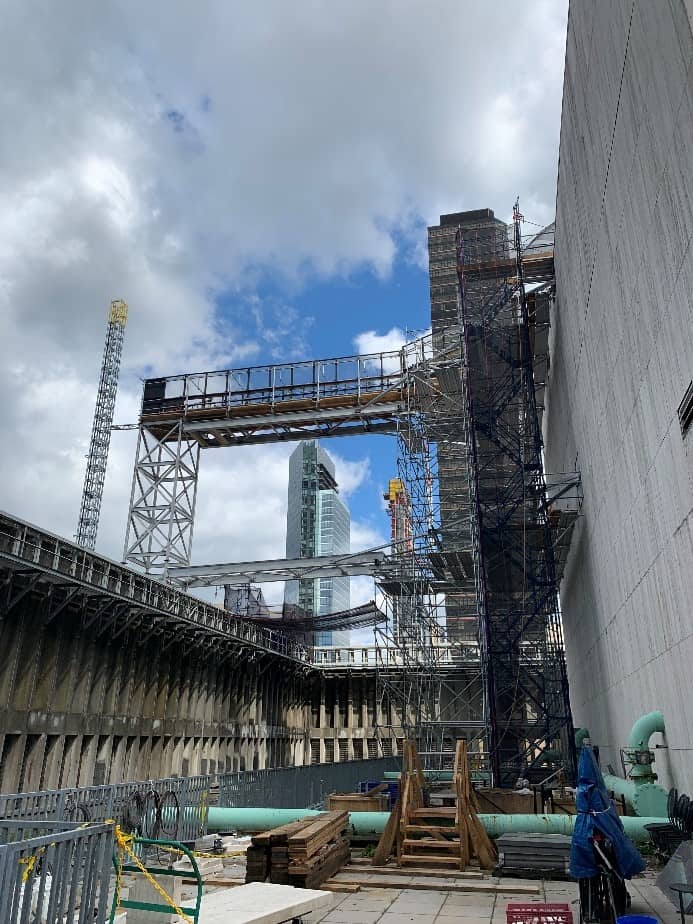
pixel 637 919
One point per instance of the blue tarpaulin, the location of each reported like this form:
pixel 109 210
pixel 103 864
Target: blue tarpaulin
pixel 596 811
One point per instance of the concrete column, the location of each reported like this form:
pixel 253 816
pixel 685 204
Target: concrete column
pixel 103 668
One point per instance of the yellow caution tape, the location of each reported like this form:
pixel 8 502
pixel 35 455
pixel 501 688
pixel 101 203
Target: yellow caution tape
pixel 125 842
pixel 30 862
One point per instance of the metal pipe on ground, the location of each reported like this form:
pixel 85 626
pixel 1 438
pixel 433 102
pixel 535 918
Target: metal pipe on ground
pixel 365 824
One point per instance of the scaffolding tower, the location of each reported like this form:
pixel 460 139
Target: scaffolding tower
pixel 430 676
pixel 97 459
pixel 470 641
pixel 520 632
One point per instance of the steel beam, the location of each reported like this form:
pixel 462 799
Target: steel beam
pixel 282 569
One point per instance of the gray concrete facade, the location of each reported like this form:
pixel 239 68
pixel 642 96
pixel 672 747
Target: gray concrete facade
pixel 621 361
pixel 76 710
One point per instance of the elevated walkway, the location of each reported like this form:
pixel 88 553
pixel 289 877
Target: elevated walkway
pixel 261 404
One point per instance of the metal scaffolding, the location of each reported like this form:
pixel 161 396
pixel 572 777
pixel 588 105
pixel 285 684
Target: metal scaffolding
pixel 162 501
pixel 468 639
pixel 521 640
pixel 97 460
pixel 429 671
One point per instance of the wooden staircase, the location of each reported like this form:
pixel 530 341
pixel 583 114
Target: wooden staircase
pixel 431 838
pixel 438 838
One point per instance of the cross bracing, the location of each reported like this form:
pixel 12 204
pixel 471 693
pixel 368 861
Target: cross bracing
pixel 97 458
pixel 437 650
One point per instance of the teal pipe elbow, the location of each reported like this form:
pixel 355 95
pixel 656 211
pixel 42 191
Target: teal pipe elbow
pixel 372 824
pixel 643 729
pixel 639 740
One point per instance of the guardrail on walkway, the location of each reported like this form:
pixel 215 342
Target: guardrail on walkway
pixel 283 787
pixel 299 787
pixel 99 803
pixel 60 872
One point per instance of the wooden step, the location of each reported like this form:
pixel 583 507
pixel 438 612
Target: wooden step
pixel 421 860
pixel 409 845
pixel 431 829
pixel 440 812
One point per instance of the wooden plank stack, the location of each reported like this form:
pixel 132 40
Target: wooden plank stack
pixel 303 853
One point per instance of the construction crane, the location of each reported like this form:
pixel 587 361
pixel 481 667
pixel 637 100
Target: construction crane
pixel 97 458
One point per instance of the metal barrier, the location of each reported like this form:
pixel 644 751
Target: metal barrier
pixel 284 787
pixel 298 787
pixel 99 803
pixel 60 872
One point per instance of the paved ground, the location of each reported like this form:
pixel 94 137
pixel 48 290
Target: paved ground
pixel 410 906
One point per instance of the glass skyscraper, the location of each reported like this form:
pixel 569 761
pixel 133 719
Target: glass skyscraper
pixel 317 523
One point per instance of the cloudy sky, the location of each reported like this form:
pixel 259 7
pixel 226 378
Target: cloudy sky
pixel 255 179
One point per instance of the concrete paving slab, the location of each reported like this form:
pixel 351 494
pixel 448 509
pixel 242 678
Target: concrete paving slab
pixel 464 898
pixel 464 912
pixel 352 916
pixel 419 899
pixel 261 903
pixel 403 918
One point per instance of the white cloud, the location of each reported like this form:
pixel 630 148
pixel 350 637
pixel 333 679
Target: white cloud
pixel 350 475
pixel 171 155
pixel 364 536
pixel 371 342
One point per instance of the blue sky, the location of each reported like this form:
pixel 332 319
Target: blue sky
pixel 255 180
pixel 331 315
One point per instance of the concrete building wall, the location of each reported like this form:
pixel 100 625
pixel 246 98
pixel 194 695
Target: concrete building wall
pixel 621 361
pixel 76 709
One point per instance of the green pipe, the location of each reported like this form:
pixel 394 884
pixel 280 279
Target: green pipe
pixel 643 797
pixel 440 776
pixel 580 735
pixel 643 729
pixel 640 791
pixel 366 824
pixel 639 740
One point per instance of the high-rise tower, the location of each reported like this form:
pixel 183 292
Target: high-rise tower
pixel 317 523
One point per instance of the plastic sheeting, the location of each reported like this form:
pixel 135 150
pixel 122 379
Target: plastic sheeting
pixel 679 869
pixel 596 811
